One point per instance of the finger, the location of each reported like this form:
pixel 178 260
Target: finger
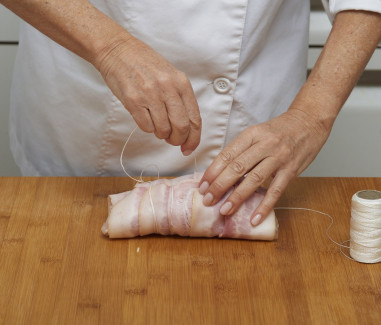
pixel 230 176
pixel 223 159
pixel 195 122
pixel 274 192
pixel 178 117
pixel 232 173
pixel 248 186
pixel 193 139
pixel 143 119
pixel 136 104
pixel 159 116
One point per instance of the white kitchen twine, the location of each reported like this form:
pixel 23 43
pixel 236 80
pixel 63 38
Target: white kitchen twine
pixel 140 179
pixel 327 231
pixel 365 230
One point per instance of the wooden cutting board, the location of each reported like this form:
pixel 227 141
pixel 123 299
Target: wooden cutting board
pixel 56 267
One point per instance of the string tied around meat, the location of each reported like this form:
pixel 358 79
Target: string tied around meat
pixel 140 179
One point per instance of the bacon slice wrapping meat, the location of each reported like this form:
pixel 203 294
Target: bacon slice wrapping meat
pixel 174 207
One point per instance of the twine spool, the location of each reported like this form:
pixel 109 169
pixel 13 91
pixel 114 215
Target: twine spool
pixel 365 232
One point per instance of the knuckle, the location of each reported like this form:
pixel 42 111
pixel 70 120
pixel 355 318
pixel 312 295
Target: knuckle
pixel 146 128
pixel 284 147
pixel 292 172
pixel 135 99
pixel 163 132
pixel 266 207
pixel 175 141
pixel 165 80
pixel 238 167
pixel 255 177
pixel 226 157
pixel 182 79
pixel 182 127
pixel 275 191
pixel 268 141
pixel 237 197
pixel 193 141
pixel 196 122
pixel 285 153
pixel 142 123
pixel 217 187
pixel 276 139
pixel 149 87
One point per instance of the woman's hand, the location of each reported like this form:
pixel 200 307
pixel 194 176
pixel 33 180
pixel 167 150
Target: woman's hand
pixel 284 146
pixel 159 97
pixel 280 148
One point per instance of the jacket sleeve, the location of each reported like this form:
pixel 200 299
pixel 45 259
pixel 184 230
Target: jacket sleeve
pixel 332 7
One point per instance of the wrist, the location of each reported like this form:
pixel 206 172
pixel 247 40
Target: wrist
pixel 316 106
pixel 106 50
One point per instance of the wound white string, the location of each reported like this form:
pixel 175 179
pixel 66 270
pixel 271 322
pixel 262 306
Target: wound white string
pixel 365 232
pixel 153 208
pixel 365 229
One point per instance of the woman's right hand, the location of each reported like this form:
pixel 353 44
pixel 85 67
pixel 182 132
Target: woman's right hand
pixel 159 97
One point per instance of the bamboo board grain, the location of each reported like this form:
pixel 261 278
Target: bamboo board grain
pixel 57 268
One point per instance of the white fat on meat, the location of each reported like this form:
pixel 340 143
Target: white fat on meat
pixel 153 210
pixel 180 206
pixel 174 206
pixel 123 217
pixel 206 220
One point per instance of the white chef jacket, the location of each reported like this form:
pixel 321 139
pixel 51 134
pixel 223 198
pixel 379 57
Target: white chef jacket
pixel 246 60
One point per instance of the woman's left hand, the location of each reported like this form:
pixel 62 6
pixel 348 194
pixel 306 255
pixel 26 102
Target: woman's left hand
pixel 280 148
pixel 284 146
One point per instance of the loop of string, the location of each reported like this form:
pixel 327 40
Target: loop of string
pixel 140 179
pixel 121 159
pixel 341 245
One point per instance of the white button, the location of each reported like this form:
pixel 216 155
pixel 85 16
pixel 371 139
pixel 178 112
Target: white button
pixel 222 85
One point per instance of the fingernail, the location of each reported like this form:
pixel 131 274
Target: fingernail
pixel 208 198
pixel 256 219
pixel 203 188
pixel 187 152
pixel 226 207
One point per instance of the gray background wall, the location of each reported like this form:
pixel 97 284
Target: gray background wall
pixel 8 47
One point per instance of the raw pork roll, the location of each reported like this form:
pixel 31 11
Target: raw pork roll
pixel 174 207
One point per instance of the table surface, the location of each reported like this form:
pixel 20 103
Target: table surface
pixel 56 267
